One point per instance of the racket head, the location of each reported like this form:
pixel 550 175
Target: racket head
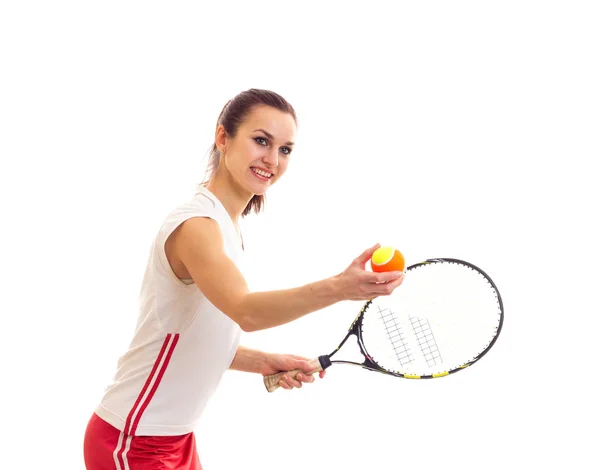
pixel 446 315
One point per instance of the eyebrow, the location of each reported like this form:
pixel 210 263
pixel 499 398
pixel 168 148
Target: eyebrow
pixel 270 136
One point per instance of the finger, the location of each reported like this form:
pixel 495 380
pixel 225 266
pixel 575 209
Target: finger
pixel 382 278
pixel 283 384
pixel 292 382
pixel 389 287
pixel 302 364
pixel 322 374
pixel 366 255
pixel 300 358
pixel 306 378
pixel 305 366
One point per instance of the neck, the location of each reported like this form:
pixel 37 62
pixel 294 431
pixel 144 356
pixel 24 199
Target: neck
pixel 233 198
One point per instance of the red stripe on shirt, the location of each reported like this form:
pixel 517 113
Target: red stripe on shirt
pixel 126 430
pixel 130 429
pixel 156 383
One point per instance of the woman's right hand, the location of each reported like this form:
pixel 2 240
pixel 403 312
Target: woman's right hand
pixel 356 283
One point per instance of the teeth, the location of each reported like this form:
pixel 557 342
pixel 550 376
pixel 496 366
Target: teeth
pixel 261 173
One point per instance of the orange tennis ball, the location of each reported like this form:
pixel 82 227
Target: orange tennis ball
pixel 387 258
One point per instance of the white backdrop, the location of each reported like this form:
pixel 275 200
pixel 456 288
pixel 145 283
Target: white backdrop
pixel 462 129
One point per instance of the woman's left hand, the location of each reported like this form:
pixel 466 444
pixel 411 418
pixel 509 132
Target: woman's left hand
pixel 275 363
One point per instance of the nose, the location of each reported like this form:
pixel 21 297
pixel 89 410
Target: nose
pixel 271 158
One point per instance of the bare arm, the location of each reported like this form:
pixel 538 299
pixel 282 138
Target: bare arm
pixel 259 362
pixel 198 244
pixel 249 360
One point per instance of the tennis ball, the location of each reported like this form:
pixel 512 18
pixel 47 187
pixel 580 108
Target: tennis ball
pixel 387 258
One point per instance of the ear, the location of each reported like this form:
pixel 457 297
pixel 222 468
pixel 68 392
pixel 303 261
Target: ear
pixel 221 139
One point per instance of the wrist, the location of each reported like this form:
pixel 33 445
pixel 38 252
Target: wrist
pixel 249 360
pixel 336 288
pixel 261 361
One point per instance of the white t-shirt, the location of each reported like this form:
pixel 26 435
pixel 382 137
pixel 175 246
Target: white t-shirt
pixel 182 344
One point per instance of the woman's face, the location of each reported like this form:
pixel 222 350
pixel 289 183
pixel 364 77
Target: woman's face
pixel 259 153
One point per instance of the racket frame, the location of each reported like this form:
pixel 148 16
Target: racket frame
pixel 369 364
pixel 355 329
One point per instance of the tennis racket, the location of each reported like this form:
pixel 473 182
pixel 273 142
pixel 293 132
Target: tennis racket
pixel 445 316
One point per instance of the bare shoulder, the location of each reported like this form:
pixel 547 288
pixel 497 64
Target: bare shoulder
pixel 195 237
pixel 196 250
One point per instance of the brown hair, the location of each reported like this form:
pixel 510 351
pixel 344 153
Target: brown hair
pixel 232 116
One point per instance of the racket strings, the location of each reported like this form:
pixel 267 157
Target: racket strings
pixel 444 316
pixel 426 340
pixel 395 335
pixel 422 332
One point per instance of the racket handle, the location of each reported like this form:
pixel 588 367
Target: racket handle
pixel 318 364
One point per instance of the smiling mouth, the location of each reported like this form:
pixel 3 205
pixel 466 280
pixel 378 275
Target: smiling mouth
pixel 264 175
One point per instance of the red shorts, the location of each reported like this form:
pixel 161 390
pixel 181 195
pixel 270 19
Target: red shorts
pixel 107 448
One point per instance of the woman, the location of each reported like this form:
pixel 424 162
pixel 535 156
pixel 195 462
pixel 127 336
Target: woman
pixel 195 300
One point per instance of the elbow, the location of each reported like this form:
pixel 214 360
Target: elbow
pixel 248 324
pixel 247 328
pixel 245 316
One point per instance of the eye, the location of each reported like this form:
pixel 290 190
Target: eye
pixel 261 141
pixel 286 150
